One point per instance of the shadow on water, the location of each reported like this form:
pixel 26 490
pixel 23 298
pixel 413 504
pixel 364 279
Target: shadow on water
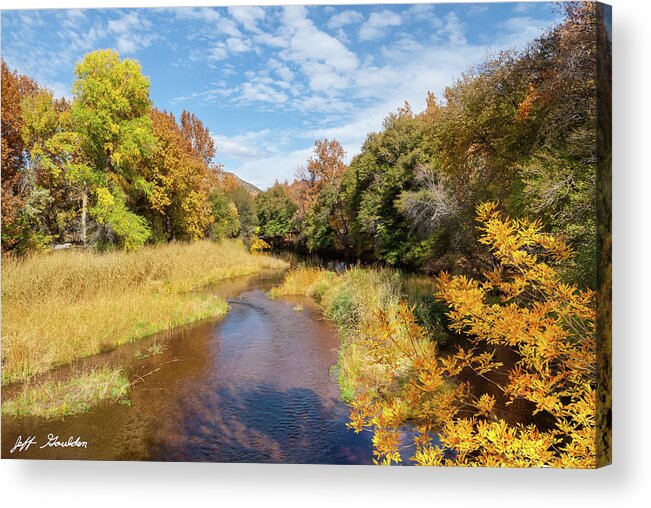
pixel 254 387
pixel 264 424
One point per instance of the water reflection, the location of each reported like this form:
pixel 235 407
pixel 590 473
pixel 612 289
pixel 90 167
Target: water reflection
pixel 254 387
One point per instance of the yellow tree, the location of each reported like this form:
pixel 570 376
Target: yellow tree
pixel 179 182
pixel 525 336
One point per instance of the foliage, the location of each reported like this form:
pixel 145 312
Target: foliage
pixel 107 170
pixel 71 396
pixel 519 128
pixel 61 306
pixel 178 182
pixel 110 114
pixel 258 245
pixel 275 210
pixel 245 204
pixel 15 224
pixel 110 210
pixel 380 174
pixel 521 310
pixel 226 216
pixel 320 203
pixel 198 137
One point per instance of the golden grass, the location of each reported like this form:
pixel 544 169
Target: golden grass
pixel 352 300
pixel 62 306
pixel 69 397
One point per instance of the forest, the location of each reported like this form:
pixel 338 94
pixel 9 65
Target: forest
pixel 469 308
pixel 108 170
pixel 518 129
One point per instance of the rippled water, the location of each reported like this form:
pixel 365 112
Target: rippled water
pixel 254 387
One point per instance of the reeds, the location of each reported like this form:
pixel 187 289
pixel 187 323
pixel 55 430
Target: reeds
pixel 56 398
pixel 62 306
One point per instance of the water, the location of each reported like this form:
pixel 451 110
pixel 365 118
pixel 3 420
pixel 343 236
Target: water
pixel 254 387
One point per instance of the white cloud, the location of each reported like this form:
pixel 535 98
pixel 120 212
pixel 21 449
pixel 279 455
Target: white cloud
pixel 522 7
pixel 261 156
pixel 264 172
pixel 344 18
pixel 248 17
pixel 249 146
pixel 271 40
pixel 405 43
pixel 522 29
pixel 261 89
pixel 420 12
pixel 281 69
pixel 228 27
pixel 309 45
pixel 131 32
pixel 374 28
pixel 237 45
pixel 321 104
pixel 453 30
pixel 204 14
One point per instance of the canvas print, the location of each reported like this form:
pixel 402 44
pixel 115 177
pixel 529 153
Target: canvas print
pixel 351 234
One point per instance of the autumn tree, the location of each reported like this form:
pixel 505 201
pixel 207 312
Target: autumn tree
pixel 55 158
pixel 561 102
pixel 323 168
pixel 178 182
pixel 526 338
pixel 110 111
pixel 198 136
pixel 325 226
pixel 14 228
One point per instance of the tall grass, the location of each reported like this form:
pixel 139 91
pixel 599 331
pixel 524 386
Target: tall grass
pixel 72 396
pixel 352 300
pixel 66 305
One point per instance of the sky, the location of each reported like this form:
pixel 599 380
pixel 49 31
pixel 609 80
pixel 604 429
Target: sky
pixel 269 81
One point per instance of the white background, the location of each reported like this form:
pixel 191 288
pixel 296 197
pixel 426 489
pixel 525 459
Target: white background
pixel 626 483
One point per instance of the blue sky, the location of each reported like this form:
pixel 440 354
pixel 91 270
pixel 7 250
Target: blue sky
pixel 268 81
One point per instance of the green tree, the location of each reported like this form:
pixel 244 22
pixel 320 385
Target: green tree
pixel 55 160
pixel 373 183
pixel 245 204
pixel 275 210
pixel 110 113
pixel 226 217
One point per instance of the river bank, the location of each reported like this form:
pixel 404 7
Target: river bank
pixel 255 386
pixel 59 307
pixel 353 299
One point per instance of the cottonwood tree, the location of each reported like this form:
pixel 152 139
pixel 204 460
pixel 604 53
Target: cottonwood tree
pixel 110 112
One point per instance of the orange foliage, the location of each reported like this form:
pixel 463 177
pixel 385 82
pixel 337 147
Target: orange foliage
pixel 14 88
pixel 522 306
pixel 179 181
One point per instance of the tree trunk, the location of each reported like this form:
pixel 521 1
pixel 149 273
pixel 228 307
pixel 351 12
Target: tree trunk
pixel 84 203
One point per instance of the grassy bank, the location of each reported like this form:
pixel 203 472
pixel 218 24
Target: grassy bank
pixel 62 306
pixel 353 300
pixel 65 398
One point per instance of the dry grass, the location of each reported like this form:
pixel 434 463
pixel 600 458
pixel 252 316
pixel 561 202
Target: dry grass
pixel 62 306
pixel 352 300
pixel 72 396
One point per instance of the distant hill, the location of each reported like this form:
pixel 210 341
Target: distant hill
pixel 248 186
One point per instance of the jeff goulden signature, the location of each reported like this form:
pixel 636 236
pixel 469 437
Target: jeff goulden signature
pixel 52 442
